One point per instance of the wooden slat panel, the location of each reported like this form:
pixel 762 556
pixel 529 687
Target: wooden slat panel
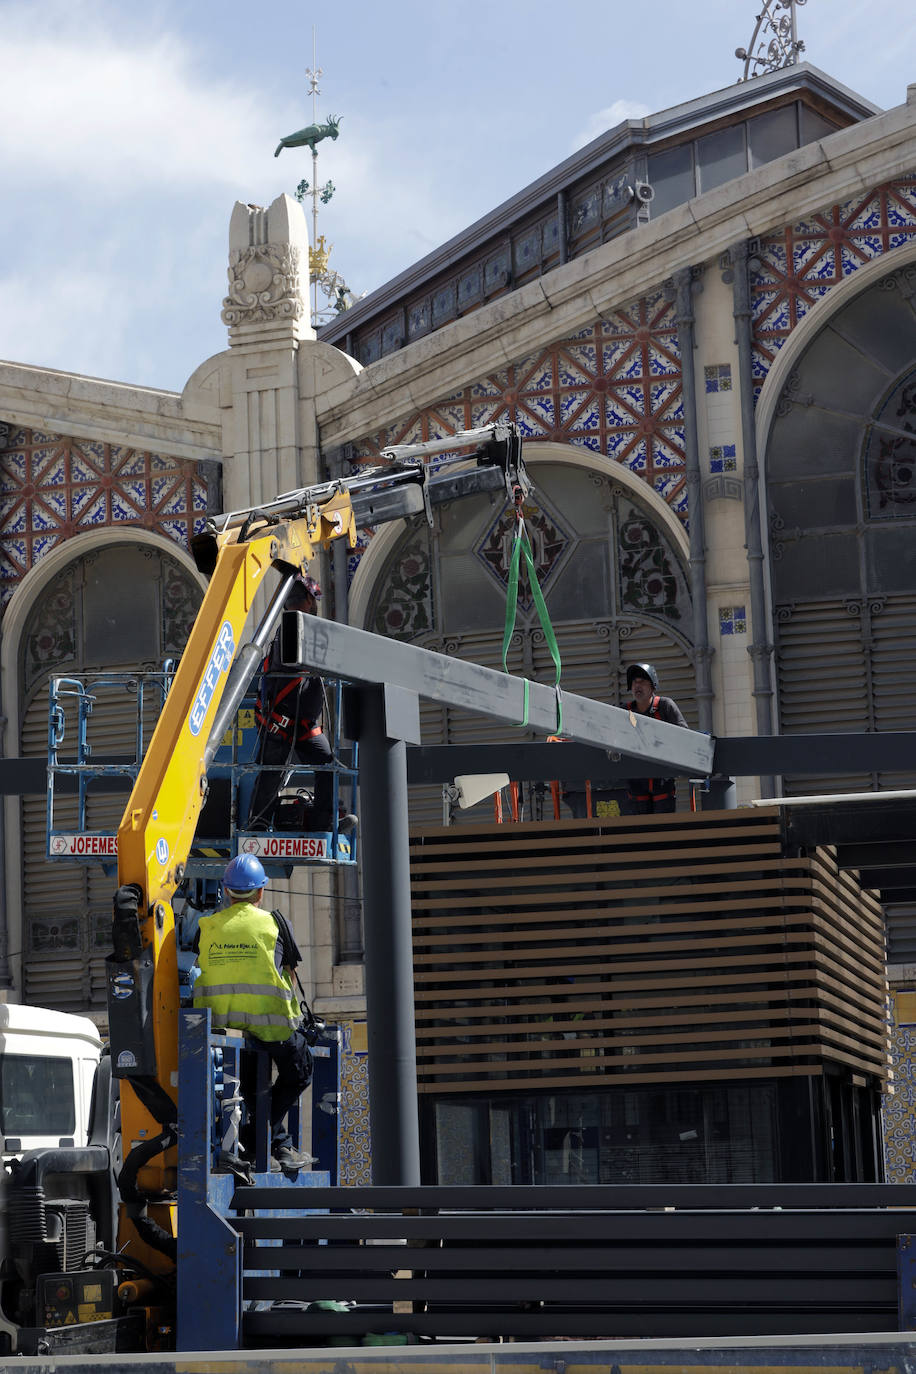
pixel 551 954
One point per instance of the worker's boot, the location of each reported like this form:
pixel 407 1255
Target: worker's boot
pixel 287 1158
pixel 346 821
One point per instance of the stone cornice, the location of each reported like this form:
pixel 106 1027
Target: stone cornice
pixel 112 412
pixel 572 296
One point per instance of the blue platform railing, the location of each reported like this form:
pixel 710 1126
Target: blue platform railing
pixel 209 1277
pixel 82 764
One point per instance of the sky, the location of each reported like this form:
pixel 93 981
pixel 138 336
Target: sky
pixel 130 129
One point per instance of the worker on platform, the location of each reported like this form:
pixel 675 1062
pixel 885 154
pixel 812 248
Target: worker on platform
pixel 247 958
pixel 290 729
pixel 645 795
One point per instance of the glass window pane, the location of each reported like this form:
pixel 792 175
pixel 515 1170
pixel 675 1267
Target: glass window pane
pixel 36 1096
pixel 723 1133
pixel 370 348
pixel 444 308
pixel 120 607
pixel 671 178
pixel 771 135
pixel 458 1138
pixel 721 157
pixel 815 126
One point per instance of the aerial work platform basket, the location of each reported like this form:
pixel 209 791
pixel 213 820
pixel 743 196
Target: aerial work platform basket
pixel 99 728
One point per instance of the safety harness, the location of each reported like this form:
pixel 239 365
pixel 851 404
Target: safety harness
pixel 275 721
pixel 655 792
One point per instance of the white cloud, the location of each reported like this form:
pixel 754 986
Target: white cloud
pixel 65 328
pixel 117 115
pixel 609 118
pixel 121 131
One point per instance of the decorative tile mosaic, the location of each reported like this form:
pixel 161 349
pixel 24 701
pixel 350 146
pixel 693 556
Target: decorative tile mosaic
pixel 613 387
pixel 355 1145
pixel 899 1107
pixel 548 542
pixel 732 620
pixel 363 540
pixel 722 458
pixel 408 608
pixel 718 377
pixel 800 264
pixel 53 486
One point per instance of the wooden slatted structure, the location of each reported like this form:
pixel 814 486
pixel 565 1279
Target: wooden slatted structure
pixel 638 950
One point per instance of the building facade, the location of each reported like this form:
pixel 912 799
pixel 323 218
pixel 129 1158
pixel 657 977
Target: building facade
pixel 702 324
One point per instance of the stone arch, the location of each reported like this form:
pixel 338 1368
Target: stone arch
pixel 842 568
pixel 45 572
pixel 58 910
pixel 612 565
pixel 806 330
pixel 382 543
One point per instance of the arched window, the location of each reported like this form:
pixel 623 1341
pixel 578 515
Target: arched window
pixel 614 584
pixel 841 491
pixel 122 606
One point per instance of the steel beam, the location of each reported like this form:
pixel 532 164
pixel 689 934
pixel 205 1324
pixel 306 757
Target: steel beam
pixel 878 854
pixel 872 821
pixel 341 651
pixel 818 755
pixel 736 756
pixel 890 881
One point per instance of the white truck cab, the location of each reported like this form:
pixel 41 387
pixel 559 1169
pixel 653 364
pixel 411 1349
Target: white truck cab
pixel 48 1063
pixel 59 1157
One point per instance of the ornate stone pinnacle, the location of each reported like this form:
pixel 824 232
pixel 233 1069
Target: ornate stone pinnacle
pixel 263 284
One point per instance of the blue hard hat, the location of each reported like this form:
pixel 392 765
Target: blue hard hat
pixel 245 873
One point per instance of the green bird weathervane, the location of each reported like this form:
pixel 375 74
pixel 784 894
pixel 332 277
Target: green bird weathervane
pixel 320 274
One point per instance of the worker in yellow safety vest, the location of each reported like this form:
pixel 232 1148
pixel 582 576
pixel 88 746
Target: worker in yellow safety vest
pixel 247 958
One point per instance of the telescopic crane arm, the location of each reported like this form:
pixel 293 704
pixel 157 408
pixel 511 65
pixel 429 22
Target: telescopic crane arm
pixel 400 485
pixel 156 831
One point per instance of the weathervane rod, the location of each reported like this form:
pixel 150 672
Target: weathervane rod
pixel 313 73
pixel 310 137
pixel 784 46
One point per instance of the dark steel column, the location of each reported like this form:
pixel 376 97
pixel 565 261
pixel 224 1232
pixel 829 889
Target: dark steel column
pixel 383 719
pixel 5 978
pixel 562 231
pixel 722 795
pixel 350 921
pixel 686 283
pixel 761 649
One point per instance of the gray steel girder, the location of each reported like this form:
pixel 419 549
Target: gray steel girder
pixel 341 651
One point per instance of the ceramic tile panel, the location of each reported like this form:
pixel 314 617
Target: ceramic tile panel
pixel 899 1109
pixel 732 620
pixel 798 265
pixel 354 1137
pixel 54 486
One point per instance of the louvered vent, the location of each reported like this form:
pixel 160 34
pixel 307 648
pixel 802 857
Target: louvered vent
pixel 849 666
